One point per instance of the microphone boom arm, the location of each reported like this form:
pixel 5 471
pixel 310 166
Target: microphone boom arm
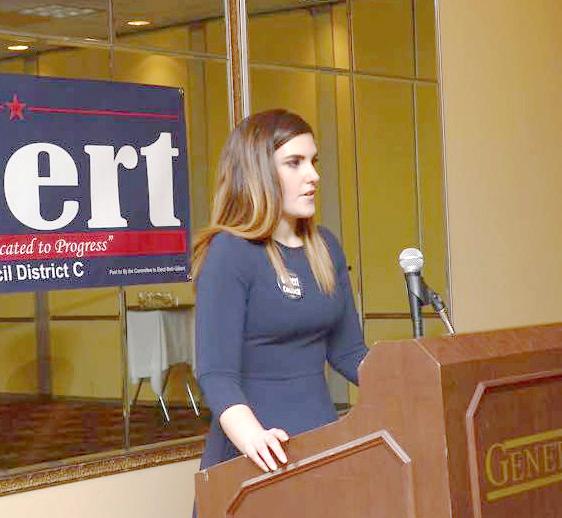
pixel 440 308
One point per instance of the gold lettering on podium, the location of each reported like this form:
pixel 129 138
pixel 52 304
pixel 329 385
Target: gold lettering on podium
pixel 499 476
pixel 523 464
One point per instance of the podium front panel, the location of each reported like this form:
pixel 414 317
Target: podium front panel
pixel 369 477
pixel 514 430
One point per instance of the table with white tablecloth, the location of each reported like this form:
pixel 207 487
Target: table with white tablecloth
pixel 156 340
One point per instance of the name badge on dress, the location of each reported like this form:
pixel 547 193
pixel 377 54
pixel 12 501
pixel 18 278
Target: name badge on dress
pixel 291 288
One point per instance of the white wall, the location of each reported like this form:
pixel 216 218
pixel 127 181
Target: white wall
pixel 162 492
pixel 501 82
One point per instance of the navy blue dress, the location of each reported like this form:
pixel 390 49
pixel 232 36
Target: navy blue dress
pixel 259 347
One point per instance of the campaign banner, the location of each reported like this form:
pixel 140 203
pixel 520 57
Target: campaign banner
pixel 94 184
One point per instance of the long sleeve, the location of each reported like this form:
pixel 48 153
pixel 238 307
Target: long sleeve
pixel 346 347
pixel 222 290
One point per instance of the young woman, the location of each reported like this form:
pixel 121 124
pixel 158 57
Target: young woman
pixel 273 296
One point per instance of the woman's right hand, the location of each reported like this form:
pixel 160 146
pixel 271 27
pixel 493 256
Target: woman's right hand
pixel 264 448
pixel 248 435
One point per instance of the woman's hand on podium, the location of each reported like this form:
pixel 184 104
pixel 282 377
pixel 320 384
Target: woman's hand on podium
pixel 265 443
pixel 248 435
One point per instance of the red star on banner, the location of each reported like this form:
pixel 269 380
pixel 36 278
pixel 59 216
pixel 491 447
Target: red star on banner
pixel 16 108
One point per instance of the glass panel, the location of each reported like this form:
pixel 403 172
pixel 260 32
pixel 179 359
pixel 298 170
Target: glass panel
pixel 17 60
pixel 288 32
pixel 389 329
pixel 86 359
pixel 17 305
pixel 348 183
pixel 52 371
pixel 68 18
pixel 294 90
pixel 316 97
pixel 74 63
pixel 387 189
pixel 18 362
pixel 383 37
pixel 90 302
pixel 399 329
pixel 86 372
pixel 18 388
pixel 323 100
pixel 430 171
pixel 206 103
pixel 209 128
pixel 83 341
pixel 175 25
pixel 86 402
pixel 84 345
pixel 52 59
pixel 399 149
pixel 12 66
pixel 396 130
pixel 426 55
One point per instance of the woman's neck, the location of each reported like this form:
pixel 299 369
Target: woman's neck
pixel 286 233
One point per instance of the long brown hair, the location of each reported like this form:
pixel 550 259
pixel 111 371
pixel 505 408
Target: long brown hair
pixel 248 198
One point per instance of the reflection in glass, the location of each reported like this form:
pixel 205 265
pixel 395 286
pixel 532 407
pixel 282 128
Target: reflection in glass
pixel 431 188
pixel 395 39
pixel 386 160
pixel 179 26
pixel 383 37
pixel 54 60
pixel 19 381
pixel 17 54
pixel 312 34
pixel 426 53
pixel 395 329
pixel 67 18
pixel 204 84
pixel 389 152
pixel 61 392
pixel 399 149
pixel 61 379
pixel 75 63
pixel 161 354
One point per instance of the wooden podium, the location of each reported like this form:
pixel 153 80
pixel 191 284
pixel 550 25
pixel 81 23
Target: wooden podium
pixel 464 426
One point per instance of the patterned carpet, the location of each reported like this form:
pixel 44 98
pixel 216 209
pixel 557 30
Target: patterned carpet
pixel 34 430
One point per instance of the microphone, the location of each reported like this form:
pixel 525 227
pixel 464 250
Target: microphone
pixel 411 262
pixel 419 294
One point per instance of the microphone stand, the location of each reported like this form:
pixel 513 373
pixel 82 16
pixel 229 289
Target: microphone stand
pixel 422 295
pixel 419 297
